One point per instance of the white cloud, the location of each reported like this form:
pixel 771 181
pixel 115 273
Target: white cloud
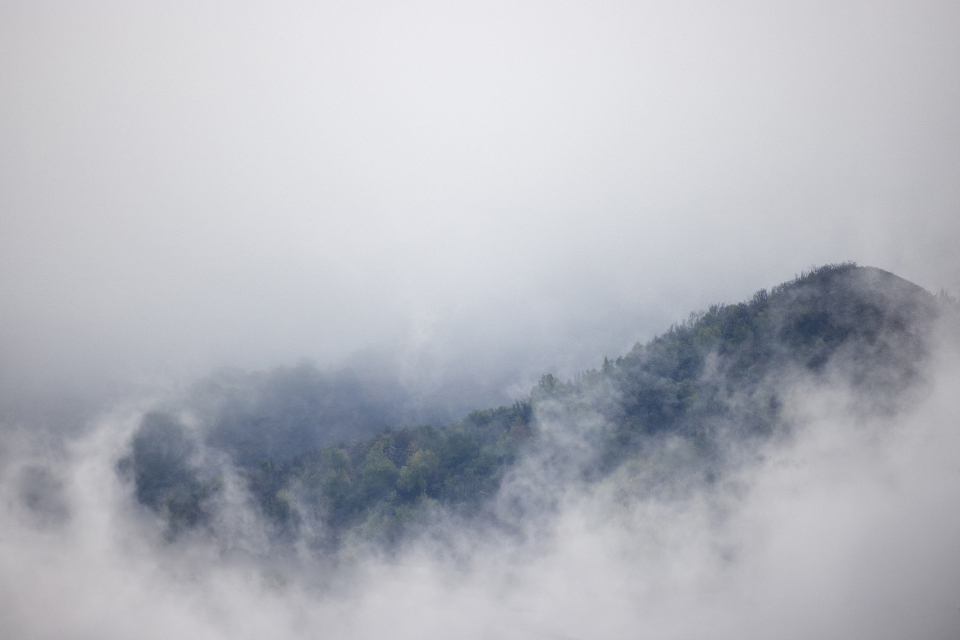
pixel 190 186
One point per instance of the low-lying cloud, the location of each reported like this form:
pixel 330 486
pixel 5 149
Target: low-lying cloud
pixel 844 527
pixel 435 204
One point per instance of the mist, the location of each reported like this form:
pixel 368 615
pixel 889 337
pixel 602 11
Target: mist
pixel 371 215
pixel 524 187
pixel 840 526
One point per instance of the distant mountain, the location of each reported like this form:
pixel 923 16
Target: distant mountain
pixel 715 384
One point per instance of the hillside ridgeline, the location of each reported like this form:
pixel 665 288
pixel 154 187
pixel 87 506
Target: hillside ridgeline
pixel 715 382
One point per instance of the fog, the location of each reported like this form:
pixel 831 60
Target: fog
pixel 840 527
pixel 522 188
pixel 434 204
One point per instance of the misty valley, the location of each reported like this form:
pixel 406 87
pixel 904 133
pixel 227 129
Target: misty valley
pixel 326 472
pixel 779 467
pixel 479 320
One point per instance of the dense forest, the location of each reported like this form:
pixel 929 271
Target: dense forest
pixel 328 469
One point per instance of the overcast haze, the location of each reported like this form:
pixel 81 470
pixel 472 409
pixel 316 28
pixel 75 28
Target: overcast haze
pixel 453 199
pixel 845 528
pixel 521 186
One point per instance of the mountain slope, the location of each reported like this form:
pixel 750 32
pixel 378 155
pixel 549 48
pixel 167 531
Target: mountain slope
pixel 715 382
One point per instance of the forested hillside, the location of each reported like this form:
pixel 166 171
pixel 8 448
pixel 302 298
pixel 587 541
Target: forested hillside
pixel 713 382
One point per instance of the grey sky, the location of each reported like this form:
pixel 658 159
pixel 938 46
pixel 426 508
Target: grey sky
pixel 209 183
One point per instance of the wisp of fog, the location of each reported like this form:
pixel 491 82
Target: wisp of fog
pixel 363 319
pixel 838 525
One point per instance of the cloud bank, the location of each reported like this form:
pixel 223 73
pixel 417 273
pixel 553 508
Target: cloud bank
pixel 443 202
pixel 840 527
pixel 191 186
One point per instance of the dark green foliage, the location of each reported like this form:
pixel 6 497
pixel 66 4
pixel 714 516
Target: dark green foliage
pixel 268 484
pixel 419 474
pixel 378 475
pixel 165 478
pixel 868 321
pixel 187 509
pixel 161 460
pixel 379 486
pixel 713 379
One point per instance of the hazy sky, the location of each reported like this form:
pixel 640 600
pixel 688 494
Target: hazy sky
pixel 195 184
pixel 478 192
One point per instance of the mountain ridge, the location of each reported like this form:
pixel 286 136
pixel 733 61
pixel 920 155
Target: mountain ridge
pixel 712 380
